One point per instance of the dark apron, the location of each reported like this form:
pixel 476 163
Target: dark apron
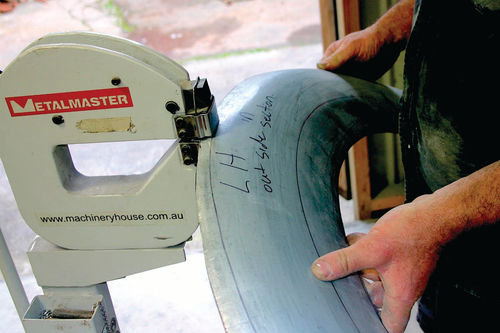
pixel 448 130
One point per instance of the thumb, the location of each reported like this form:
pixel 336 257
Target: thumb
pixel 340 263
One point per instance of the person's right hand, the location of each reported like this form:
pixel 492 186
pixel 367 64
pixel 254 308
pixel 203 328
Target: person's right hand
pixel 363 54
pixel 398 255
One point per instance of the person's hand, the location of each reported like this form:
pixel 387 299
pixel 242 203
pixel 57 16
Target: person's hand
pixel 363 54
pixel 369 53
pixel 398 255
pixel 370 277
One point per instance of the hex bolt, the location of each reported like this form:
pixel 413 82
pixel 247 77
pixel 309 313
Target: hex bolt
pixel 180 123
pixel 188 160
pixel 116 81
pixel 187 150
pixel 182 133
pixel 172 107
pixel 58 120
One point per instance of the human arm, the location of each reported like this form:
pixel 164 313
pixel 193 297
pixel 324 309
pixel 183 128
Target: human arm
pixel 404 245
pixel 369 53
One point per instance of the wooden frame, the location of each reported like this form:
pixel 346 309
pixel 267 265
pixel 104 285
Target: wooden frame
pixel 339 18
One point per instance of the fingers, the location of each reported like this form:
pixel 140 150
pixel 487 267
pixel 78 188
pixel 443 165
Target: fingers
pixel 354 237
pixel 343 50
pixel 375 290
pixel 369 273
pixel 334 60
pixel 395 314
pixel 340 263
pixel 331 49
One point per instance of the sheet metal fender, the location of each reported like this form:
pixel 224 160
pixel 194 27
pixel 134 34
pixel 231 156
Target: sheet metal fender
pixel 268 199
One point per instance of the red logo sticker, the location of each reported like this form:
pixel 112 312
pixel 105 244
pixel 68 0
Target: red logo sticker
pixel 87 100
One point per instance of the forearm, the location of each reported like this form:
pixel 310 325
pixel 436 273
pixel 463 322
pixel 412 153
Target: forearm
pixel 395 25
pixel 467 203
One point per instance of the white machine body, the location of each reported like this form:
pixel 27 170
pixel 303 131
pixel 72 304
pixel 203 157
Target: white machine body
pixel 76 88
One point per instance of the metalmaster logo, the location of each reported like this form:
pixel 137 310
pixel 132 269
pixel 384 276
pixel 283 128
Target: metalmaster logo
pixel 87 100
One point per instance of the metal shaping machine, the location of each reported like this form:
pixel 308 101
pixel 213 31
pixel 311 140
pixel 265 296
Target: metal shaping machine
pixel 258 175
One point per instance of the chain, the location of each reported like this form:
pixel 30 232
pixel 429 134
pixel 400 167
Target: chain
pixel 46 314
pixel 110 327
pixel 105 317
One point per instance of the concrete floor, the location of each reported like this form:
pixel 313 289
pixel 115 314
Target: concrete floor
pixel 222 40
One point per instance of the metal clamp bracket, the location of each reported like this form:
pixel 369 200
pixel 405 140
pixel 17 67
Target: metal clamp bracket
pixel 199 121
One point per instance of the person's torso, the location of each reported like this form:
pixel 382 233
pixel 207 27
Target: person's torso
pixel 450 98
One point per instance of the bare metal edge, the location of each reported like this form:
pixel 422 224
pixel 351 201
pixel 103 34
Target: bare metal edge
pixel 278 299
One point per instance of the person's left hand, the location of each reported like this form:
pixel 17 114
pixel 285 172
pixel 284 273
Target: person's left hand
pixel 362 54
pixel 398 254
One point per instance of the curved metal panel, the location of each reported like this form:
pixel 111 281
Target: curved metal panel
pixel 268 200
